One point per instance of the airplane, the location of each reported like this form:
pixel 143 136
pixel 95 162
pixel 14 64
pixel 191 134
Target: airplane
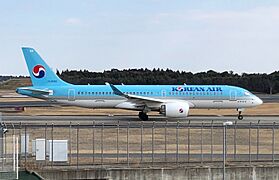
pixel 174 101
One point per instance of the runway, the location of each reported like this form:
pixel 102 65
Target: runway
pixel 26 104
pixel 134 119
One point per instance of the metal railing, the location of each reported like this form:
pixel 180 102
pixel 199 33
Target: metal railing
pixel 151 143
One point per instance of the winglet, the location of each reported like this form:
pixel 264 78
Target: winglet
pixel 117 91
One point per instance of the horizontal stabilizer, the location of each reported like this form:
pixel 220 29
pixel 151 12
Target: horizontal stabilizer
pixel 36 91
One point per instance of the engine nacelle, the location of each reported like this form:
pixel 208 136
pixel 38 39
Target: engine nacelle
pixel 175 109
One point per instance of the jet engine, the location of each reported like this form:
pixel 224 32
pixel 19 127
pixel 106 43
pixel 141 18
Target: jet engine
pixel 175 109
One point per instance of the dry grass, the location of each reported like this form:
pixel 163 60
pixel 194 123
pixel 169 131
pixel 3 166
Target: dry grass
pixel 12 84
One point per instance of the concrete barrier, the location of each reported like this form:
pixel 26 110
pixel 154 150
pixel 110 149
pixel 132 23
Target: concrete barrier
pixel 253 172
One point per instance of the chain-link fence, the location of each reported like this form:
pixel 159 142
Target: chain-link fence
pixel 144 143
pixel 8 157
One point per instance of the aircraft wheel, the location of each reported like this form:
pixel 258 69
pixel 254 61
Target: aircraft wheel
pixel 143 116
pixel 240 117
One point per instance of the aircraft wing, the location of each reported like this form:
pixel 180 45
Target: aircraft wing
pixel 143 100
pixel 135 97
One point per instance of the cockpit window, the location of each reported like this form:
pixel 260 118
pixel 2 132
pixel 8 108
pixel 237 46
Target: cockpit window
pixel 246 93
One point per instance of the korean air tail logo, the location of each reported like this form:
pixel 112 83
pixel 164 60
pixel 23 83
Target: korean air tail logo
pixel 39 71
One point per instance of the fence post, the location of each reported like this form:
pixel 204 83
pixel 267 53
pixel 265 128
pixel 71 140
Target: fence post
pixel 273 142
pixel 234 139
pixel 141 141
pixel 25 146
pixel 166 140
pixel 1 143
pixel 224 150
pixel 211 141
pixel 52 126
pixel 177 142
pixel 102 144
pixel 189 141
pixel 250 142
pixel 70 142
pixel 20 143
pixel 93 142
pixel 202 142
pixel 17 163
pixel 77 145
pixel 128 127
pixel 45 144
pixel 117 141
pixel 258 137
pixel 5 146
pixel 14 148
pixel 153 143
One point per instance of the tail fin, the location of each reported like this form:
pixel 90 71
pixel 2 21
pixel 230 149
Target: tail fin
pixel 40 72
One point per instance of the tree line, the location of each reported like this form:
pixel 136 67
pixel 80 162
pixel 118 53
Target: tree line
pixel 256 82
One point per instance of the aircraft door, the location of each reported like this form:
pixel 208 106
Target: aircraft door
pixel 71 95
pixel 232 95
pixel 163 93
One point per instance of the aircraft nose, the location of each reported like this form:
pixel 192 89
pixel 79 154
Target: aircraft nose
pixel 258 101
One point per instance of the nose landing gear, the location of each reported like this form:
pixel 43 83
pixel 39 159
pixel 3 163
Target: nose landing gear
pixel 240 117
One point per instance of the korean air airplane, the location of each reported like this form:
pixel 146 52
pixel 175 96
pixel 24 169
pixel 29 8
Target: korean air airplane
pixel 173 101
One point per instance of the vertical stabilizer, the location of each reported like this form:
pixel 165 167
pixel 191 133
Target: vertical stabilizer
pixel 40 72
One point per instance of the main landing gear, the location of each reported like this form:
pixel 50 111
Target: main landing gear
pixel 240 117
pixel 143 116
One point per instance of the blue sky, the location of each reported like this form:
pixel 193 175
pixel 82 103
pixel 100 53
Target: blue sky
pixel 197 35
